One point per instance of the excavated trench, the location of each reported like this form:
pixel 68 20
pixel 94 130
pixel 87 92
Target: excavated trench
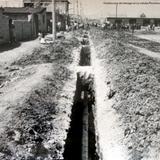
pixel 85 56
pixel 81 140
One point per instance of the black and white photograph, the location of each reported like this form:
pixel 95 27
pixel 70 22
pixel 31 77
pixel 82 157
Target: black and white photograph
pixel 79 79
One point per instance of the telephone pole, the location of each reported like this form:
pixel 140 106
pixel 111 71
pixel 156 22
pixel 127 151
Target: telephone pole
pixel 74 9
pixel 54 19
pixel 77 7
pixel 6 3
pixel 116 10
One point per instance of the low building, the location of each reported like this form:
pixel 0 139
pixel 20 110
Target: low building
pixel 62 10
pixel 142 21
pixel 28 22
pixel 4 28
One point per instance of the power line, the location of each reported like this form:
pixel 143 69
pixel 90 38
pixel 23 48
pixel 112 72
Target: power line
pixel 131 3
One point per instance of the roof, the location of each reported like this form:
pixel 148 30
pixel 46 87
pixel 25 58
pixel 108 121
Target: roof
pixel 49 1
pixel 26 10
pixel 45 1
pixel 133 18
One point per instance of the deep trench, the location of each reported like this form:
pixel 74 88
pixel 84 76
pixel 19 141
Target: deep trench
pixel 85 56
pixel 81 139
pixel 76 146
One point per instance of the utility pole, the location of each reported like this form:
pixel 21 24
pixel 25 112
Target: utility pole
pixel 116 10
pixel 74 9
pixel 54 19
pixel 6 3
pixel 81 10
pixel 77 7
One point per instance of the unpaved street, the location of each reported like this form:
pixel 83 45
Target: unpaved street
pixel 151 37
pixel 93 95
pixel 26 48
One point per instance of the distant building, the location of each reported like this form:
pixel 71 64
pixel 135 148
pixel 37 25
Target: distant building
pixel 142 21
pixel 4 28
pixel 28 22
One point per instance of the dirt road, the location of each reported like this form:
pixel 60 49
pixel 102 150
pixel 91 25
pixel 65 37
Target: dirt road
pixel 26 48
pixel 150 37
pixel 146 52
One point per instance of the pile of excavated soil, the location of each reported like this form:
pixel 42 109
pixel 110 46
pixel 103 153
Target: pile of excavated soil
pixel 134 83
pixel 59 52
pixel 34 126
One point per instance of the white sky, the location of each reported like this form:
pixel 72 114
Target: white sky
pixel 96 8
pixel 11 3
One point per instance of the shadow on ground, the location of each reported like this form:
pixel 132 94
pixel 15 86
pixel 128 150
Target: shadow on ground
pixel 7 47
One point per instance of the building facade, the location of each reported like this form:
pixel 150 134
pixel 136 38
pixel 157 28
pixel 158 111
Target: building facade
pixel 62 11
pixel 142 21
pixel 27 22
pixel 4 28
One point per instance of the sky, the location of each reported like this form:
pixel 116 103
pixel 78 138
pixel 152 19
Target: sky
pixel 11 3
pixel 96 8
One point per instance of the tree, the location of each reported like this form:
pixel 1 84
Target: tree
pixel 143 15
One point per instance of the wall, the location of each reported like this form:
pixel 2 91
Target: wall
pixel 111 20
pixel 62 7
pixel 16 16
pixel 140 21
pixel 126 21
pixel 23 30
pixel 42 18
pixel 4 29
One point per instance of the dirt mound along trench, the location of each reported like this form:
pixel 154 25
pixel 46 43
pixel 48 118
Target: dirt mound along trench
pixel 31 125
pixel 30 133
pixel 135 79
pixel 50 53
pixel 81 140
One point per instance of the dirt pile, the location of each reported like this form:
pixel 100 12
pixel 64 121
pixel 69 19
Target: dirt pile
pixel 134 80
pixel 35 129
pixel 50 53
